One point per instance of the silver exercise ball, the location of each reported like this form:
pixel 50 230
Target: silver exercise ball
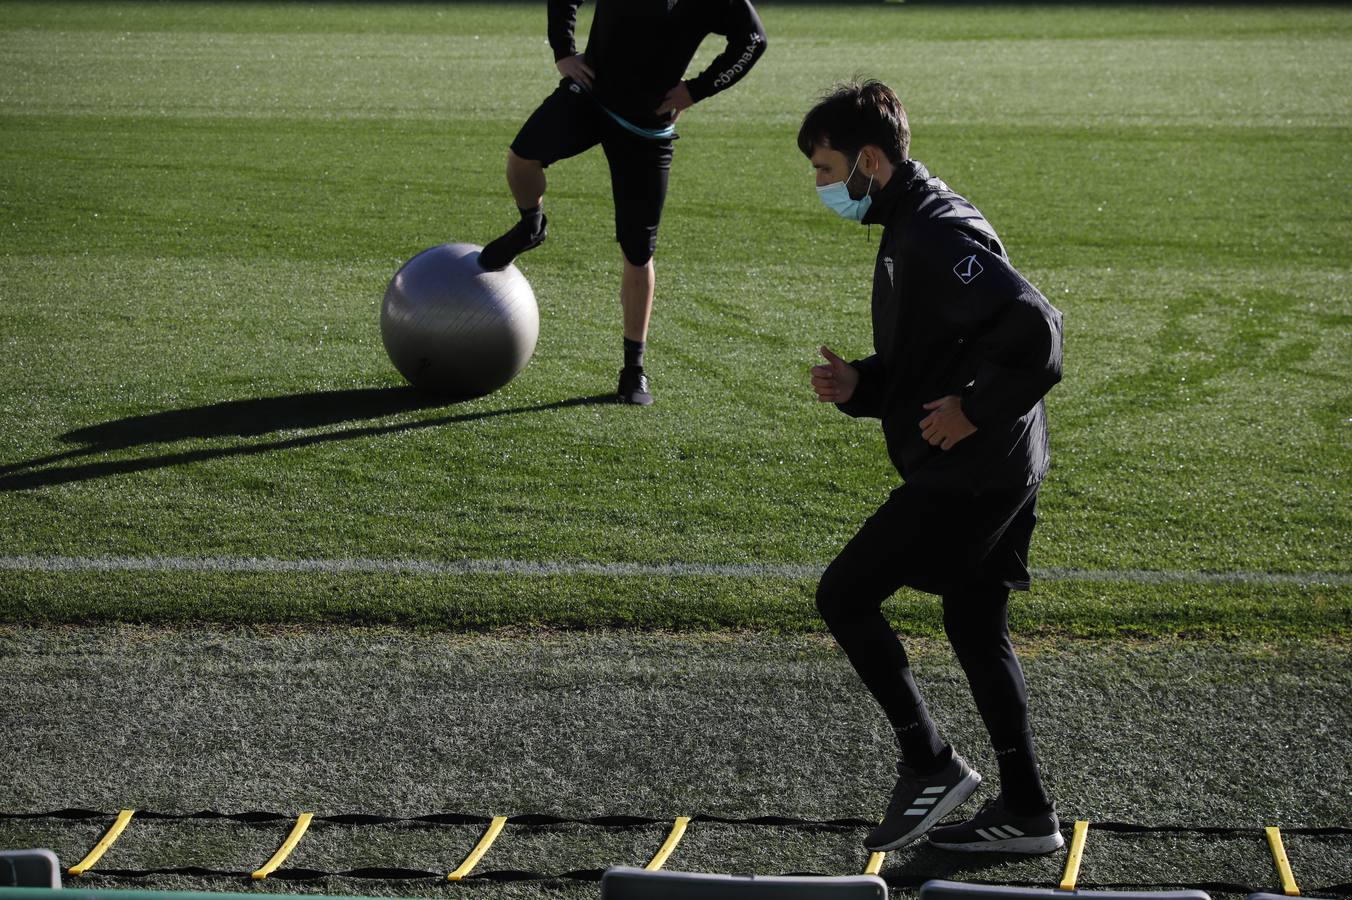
pixel 452 328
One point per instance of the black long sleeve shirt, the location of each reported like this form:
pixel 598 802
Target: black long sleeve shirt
pixel 952 316
pixel 639 49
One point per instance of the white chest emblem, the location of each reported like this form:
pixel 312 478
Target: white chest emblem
pixel 887 261
pixel 967 269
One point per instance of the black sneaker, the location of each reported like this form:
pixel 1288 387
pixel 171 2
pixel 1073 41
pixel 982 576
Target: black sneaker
pixel 517 240
pixel 918 801
pixel 634 387
pixel 995 829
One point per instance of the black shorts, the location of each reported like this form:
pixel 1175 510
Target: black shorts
pixel 569 122
pixel 937 541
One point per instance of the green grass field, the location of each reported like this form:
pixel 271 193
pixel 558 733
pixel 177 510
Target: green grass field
pixel 203 204
pixel 200 433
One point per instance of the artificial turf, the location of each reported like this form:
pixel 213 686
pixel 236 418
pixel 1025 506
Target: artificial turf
pixel 202 203
pixel 386 722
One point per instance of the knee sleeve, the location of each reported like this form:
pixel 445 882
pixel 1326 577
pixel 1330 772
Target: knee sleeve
pixel 638 244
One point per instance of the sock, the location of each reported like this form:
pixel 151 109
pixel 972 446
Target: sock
pixel 502 250
pixel 921 747
pixel 533 217
pixel 917 743
pixel 1020 784
pixel 633 354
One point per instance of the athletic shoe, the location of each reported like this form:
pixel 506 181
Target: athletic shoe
pixel 995 829
pixel 634 387
pixel 517 240
pixel 918 801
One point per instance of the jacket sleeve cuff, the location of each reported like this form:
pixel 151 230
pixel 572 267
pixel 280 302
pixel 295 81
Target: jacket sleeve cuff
pixel 865 402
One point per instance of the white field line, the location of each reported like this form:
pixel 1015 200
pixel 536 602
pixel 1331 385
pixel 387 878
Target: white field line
pixel 797 572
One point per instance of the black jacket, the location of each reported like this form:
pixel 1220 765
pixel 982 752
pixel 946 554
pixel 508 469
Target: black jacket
pixel 952 316
pixel 639 49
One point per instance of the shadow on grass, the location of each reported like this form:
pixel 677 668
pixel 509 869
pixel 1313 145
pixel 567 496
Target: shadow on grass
pixel 247 419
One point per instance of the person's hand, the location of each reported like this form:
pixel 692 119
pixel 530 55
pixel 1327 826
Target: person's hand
pixel 576 68
pixel 676 99
pixel 834 382
pixel 946 424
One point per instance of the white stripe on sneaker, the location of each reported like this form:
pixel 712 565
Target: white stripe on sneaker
pixel 1014 831
pixel 990 843
pixel 949 798
pixel 925 801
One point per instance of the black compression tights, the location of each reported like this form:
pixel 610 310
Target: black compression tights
pixel 975 619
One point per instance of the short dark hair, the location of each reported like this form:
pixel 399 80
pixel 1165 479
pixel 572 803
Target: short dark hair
pixel 853 115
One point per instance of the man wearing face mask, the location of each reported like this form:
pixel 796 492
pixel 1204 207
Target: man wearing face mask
pixel 624 92
pixel 965 350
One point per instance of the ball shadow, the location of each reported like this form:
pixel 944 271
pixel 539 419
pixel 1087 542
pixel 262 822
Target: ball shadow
pixel 249 420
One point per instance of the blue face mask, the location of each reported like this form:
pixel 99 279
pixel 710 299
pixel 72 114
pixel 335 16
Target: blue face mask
pixel 837 197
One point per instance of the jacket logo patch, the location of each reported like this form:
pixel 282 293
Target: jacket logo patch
pixel 967 269
pixel 887 261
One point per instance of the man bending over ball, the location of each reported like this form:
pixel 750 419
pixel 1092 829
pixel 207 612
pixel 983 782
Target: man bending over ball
pixel 965 349
pixel 624 93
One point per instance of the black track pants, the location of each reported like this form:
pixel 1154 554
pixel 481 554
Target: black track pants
pixel 918 538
